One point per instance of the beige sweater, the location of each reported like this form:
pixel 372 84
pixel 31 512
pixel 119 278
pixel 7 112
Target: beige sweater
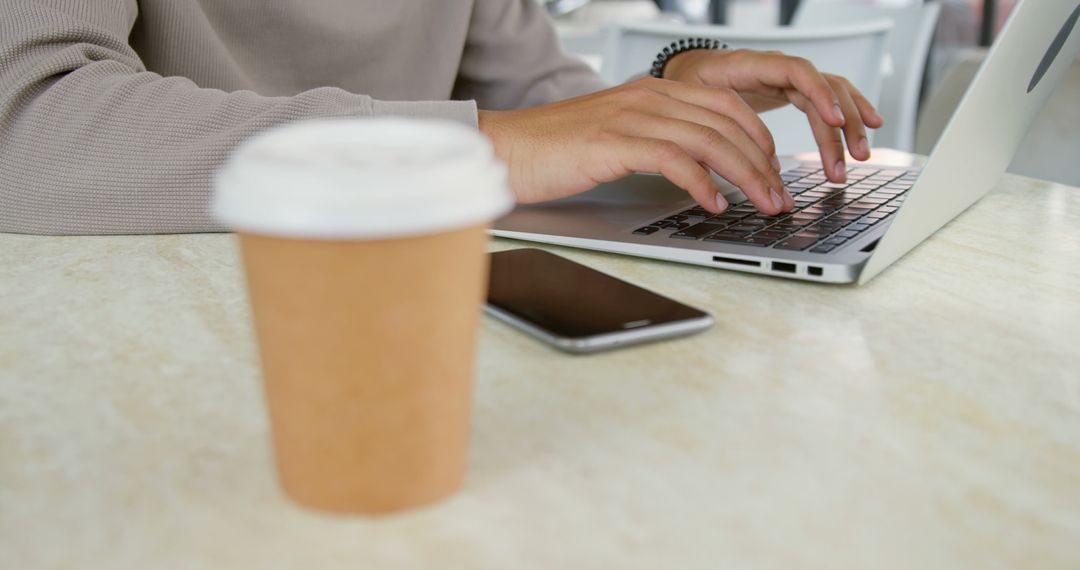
pixel 114 114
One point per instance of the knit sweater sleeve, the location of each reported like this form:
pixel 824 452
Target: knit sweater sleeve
pixel 93 143
pixel 513 59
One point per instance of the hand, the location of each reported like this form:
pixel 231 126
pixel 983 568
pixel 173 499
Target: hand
pixel 648 125
pixel 768 80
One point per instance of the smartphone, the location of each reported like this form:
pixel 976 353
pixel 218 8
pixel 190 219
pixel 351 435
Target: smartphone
pixel 579 309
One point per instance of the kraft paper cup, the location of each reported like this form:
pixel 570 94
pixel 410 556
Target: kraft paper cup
pixel 364 246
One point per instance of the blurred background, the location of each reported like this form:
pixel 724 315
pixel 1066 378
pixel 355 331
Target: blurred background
pixel 936 47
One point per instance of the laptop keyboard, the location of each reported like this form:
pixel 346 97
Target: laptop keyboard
pixel 826 215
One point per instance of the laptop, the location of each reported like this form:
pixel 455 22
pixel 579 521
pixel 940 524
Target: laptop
pixel 838 233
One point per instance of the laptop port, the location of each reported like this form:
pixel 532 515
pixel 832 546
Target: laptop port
pixel 815 271
pixel 783 267
pixel 736 261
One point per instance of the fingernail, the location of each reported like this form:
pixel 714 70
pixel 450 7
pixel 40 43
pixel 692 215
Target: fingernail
pixel 864 146
pixel 776 201
pixel 787 197
pixel 775 163
pixel 840 170
pixel 721 202
pixel 838 113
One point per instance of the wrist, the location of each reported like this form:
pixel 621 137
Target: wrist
pixel 681 67
pixel 490 124
pixel 495 125
pixel 678 48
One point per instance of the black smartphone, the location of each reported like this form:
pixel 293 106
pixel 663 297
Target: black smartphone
pixel 579 309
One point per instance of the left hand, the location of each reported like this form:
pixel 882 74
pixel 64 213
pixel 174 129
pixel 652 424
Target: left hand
pixel 768 80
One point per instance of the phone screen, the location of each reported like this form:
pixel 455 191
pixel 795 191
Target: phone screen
pixel 572 300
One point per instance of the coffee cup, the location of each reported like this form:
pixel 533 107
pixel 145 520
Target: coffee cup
pixel 364 248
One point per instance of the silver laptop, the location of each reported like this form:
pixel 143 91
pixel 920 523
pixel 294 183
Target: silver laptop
pixel 838 233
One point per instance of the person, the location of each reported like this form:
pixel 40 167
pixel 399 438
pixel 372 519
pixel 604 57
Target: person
pixel 115 114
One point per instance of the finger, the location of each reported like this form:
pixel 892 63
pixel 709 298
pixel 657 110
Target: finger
pixel 759 70
pixel 668 159
pixel 723 156
pixel 867 111
pixel 728 104
pixel 828 138
pixel 707 136
pixel 725 102
pixel 854 130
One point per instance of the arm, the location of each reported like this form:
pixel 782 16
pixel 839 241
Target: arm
pixel 512 59
pixel 699 118
pixel 92 143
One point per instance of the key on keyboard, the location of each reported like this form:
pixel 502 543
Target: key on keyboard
pixel 826 215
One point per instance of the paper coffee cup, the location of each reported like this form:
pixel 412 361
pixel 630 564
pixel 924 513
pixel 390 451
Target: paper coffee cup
pixel 364 245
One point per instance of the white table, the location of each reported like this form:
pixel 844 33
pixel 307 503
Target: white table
pixel 930 419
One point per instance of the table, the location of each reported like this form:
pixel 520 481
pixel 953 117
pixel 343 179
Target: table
pixel 930 419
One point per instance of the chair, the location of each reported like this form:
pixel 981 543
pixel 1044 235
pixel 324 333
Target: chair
pixel 856 52
pixel 583 30
pixel 909 46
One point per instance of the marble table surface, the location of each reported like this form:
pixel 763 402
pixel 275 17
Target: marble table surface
pixel 930 419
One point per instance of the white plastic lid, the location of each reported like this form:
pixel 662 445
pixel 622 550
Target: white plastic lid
pixel 362 178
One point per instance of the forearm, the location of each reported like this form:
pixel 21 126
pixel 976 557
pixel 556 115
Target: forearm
pixel 91 143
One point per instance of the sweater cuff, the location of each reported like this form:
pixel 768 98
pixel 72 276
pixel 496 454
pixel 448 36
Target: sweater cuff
pixel 461 111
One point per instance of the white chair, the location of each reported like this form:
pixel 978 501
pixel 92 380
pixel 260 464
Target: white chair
pixel 856 52
pixel 909 46
pixel 583 31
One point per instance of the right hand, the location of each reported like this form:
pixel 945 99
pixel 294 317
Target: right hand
pixel 649 125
